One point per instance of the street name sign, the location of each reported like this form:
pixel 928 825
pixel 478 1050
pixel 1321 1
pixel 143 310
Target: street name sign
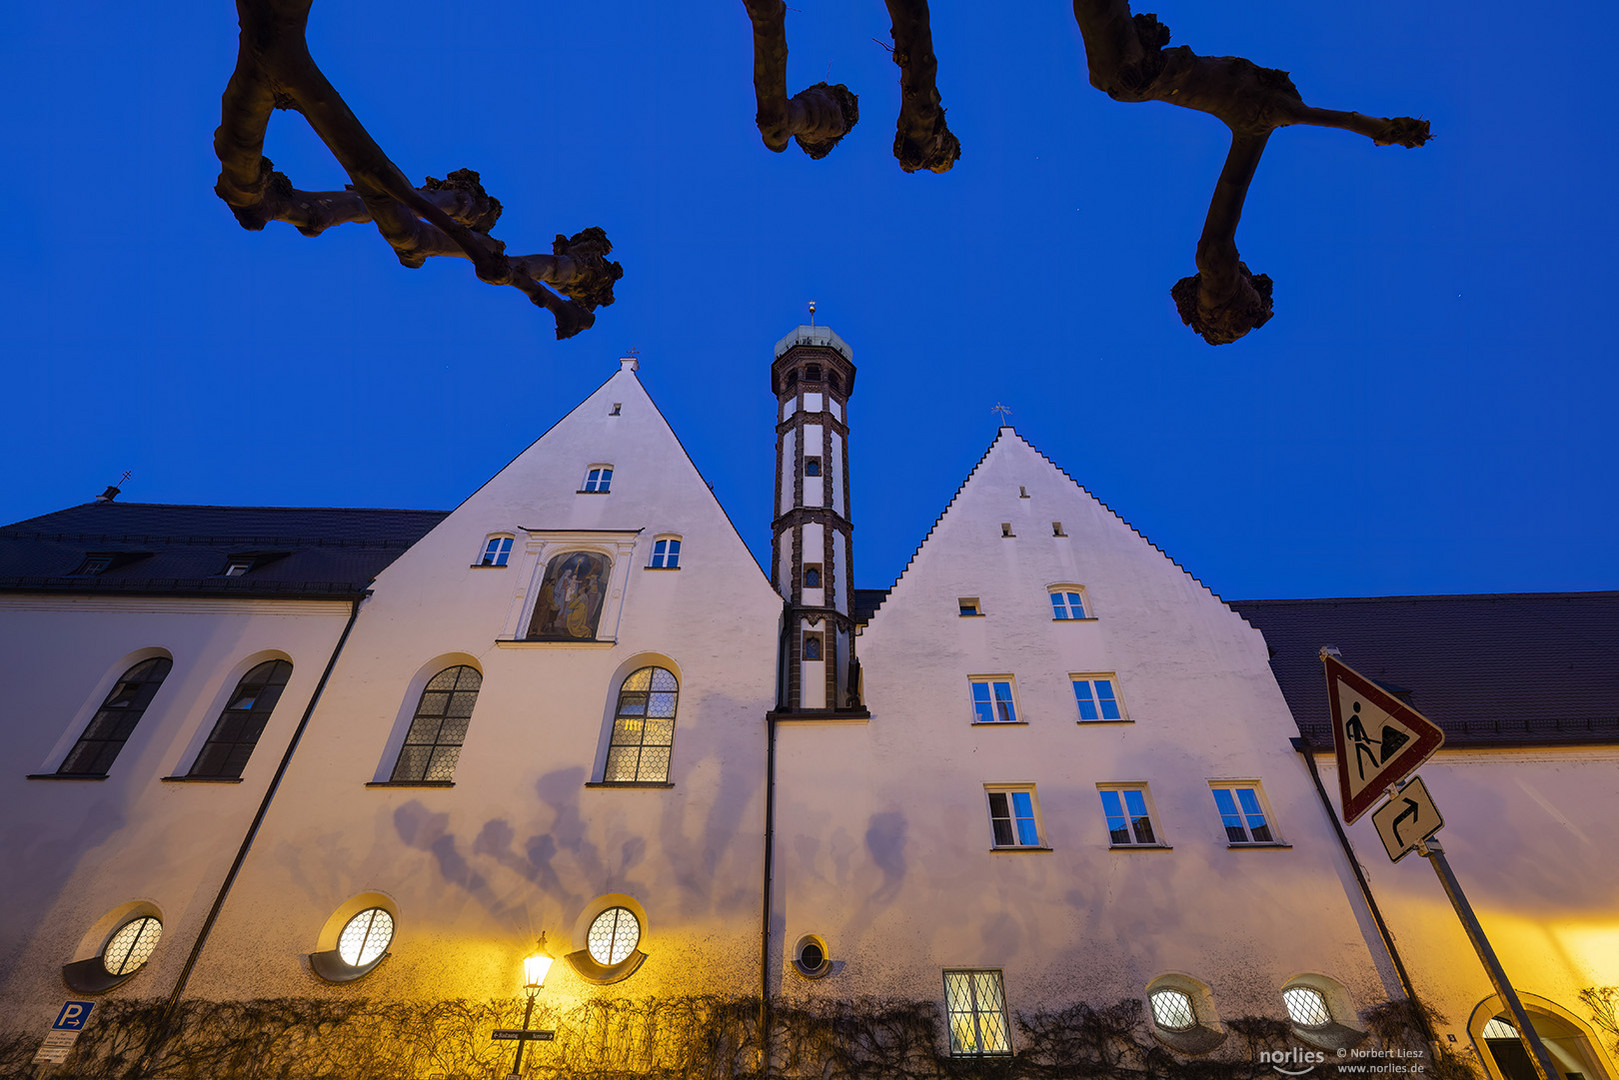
pixel 65 1032
pixel 1378 738
pixel 1407 819
pixel 512 1034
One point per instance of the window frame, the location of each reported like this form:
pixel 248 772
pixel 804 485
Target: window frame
pixel 978 1012
pixel 814 568
pixel 1096 701
pixel 1063 598
pixel 496 551
pixel 444 721
pixel 992 702
pixel 127 718
pixel 1149 813
pixel 253 716
pixel 1013 819
pixel 598 479
pixel 1234 789
pixel 614 728
pixel 969 607
pixel 665 553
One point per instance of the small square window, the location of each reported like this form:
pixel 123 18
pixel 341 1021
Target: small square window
pixel 1129 817
pixel 665 554
pixel 236 568
pixel 1097 697
pixel 976 1004
pixel 1022 492
pixel 812 576
pixel 1006 529
pixel 812 466
pixel 598 479
pixel 1056 529
pixel 1013 817
pixel 496 551
pixel 618 409
pixel 969 605
pixel 92 565
pixel 992 701
pixel 812 646
pixel 1068 602
pixel 1242 812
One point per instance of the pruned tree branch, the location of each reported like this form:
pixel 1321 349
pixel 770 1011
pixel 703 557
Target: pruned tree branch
pixel 274 70
pixel 1129 60
pixel 923 140
pixel 817 116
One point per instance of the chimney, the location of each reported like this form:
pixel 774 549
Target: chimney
pixel 107 496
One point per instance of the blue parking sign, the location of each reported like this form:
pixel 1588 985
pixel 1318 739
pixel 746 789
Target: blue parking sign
pixel 73 1016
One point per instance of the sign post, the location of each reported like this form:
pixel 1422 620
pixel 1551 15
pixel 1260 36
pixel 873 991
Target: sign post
pixel 64 1032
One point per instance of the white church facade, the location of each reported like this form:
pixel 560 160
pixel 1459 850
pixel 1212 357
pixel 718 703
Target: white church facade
pixel 357 757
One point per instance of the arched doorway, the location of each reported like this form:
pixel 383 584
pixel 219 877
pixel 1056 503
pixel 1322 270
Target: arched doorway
pixel 1577 1054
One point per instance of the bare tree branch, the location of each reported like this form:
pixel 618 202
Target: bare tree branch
pixel 923 141
pixel 274 70
pixel 1129 61
pixel 817 116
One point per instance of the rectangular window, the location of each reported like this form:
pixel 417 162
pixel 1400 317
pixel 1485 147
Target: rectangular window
pixel 496 551
pixel 992 701
pixel 665 554
pixel 1013 820
pixel 237 569
pixel 1068 602
pixel 1097 697
pixel 976 1004
pixel 1243 814
pixel 599 478
pixel 812 466
pixel 1129 820
pixel 969 605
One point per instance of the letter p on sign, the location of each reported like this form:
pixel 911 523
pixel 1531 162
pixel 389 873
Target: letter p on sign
pixel 73 1016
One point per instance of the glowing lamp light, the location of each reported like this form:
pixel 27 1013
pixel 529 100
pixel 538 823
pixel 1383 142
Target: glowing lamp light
pixel 535 968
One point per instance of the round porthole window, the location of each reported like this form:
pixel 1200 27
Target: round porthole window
pixel 365 938
pixel 809 957
pixel 131 946
pixel 1172 1010
pixel 613 936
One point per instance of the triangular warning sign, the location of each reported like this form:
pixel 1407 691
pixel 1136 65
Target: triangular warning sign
pixel 1378 738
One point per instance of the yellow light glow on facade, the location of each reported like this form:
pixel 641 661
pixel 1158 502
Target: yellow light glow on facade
pixel 536 966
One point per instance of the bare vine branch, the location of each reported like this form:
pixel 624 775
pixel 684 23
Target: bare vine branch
pixel 274 70
pixel 923 141
pixel 817 116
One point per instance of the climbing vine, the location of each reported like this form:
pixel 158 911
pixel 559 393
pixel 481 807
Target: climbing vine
pixel 689 1038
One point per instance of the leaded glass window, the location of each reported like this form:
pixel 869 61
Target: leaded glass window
pixel 613 935
pixel 242 721
pixel 992 701
pixel 113 723
pixel 976 1004
pixel 131 946
pixel 1242 815
pixel 433 743
pixel 643 728
pixel 1307 1006
pixel 1172 1010
pixel 1128 822
pixel 365 938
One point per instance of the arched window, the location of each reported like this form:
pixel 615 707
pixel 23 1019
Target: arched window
pixel 665 553
pixel 433 743
pixel 242 721
pixel 643 728
pixel 497 549
pixel 112 724
pixel 598 479
pixel 1067 601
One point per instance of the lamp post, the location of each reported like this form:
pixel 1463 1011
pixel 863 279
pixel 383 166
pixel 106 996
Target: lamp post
pixel 535 967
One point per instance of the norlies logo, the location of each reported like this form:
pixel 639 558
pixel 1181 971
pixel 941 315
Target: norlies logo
pixel 1295 1061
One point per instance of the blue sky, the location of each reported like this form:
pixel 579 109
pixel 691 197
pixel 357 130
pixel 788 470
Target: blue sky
pixel 1429 410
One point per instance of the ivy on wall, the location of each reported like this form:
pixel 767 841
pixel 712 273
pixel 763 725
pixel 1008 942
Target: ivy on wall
pixel 712 1038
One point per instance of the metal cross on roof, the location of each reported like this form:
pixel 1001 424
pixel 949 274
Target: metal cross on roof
pixel 1003 410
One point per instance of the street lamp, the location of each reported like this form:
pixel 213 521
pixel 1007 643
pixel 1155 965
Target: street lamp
pixel 535 966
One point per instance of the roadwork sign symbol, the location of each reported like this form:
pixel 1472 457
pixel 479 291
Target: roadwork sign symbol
pixel 1378 738
pixel 1407 819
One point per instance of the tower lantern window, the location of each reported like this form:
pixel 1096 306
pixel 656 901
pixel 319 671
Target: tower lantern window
pixel 812 372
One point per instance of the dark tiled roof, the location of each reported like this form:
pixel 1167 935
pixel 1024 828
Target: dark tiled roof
pixel 866 602
pixel 1509 669
pixel 183 550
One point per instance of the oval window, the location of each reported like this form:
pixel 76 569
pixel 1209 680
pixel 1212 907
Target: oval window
pixel 131 946
pixel 614 934
pixel 365 937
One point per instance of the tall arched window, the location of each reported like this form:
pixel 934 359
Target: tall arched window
pixel 433 743
pixel 112 724
pixel 643 728
pixel 242 721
